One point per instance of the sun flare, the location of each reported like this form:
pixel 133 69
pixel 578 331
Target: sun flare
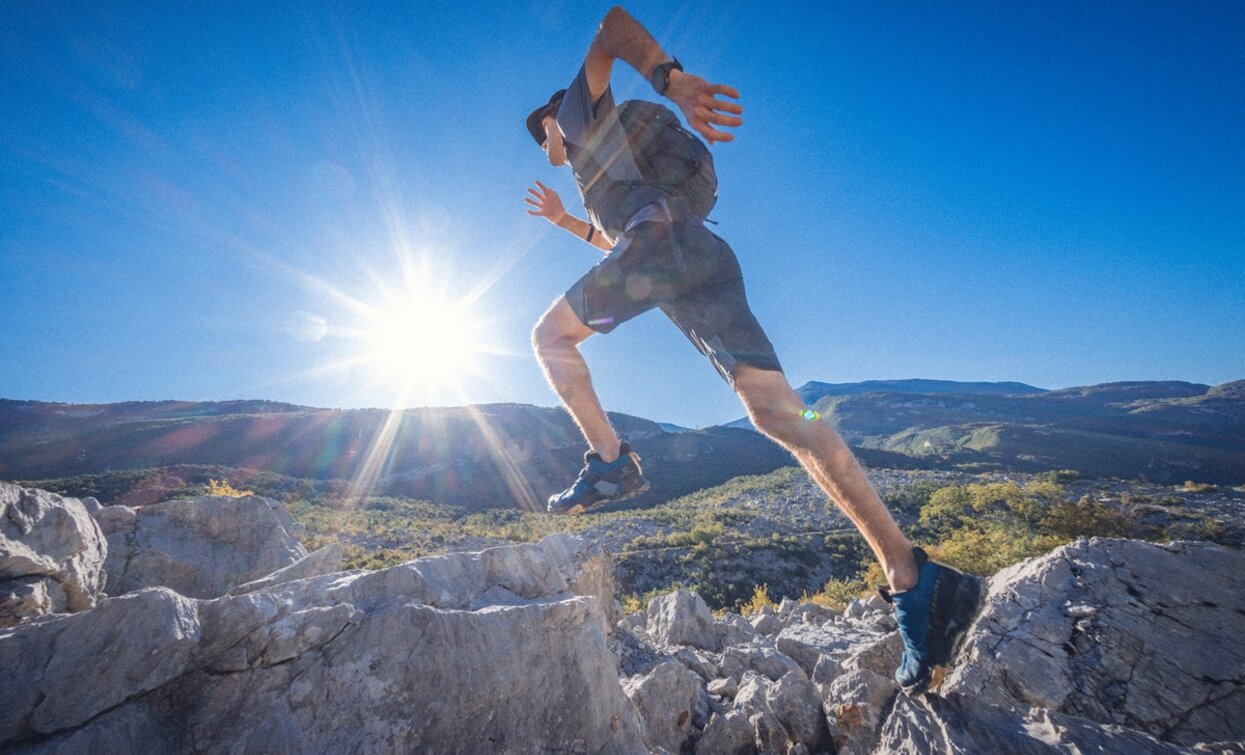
pixel 420 340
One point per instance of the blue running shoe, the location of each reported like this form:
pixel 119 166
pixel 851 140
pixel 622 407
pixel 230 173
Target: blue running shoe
pixel 933 617
pixel 600 483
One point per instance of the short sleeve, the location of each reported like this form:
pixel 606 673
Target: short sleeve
pixel 579 115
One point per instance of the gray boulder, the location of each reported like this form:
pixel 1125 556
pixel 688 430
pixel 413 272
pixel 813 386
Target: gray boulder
pixel 666 699
pixel 681 618
pixel 325 560
pixel 727 734
pixel 200 547
pixel 1118 632
pixel 958 726
pixel 794 700
pixel 51 555
pixel 468 652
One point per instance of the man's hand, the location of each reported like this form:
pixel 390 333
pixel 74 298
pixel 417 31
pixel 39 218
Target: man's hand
pixel 547 203
pixel 697 99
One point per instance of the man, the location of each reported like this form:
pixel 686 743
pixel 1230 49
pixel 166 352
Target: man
pixel 661 255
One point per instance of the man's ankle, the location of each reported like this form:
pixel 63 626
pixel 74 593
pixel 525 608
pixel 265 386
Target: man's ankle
pixel 609 455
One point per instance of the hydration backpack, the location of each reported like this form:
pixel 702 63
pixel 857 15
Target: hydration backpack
pixel 673 163
pixel 670 156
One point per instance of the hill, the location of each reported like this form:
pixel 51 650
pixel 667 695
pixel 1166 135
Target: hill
pixel 1165 431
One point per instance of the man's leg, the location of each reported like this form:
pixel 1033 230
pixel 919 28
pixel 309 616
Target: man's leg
pixel 556 340
pixel 776 411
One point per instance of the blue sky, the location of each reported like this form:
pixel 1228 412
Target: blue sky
pixel 198 202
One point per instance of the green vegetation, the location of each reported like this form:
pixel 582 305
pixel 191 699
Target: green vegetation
pixel 719 541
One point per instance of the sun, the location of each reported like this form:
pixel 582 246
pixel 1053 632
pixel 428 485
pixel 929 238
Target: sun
pixel 419 339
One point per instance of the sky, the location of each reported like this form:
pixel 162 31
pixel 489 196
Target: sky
pixel 239 201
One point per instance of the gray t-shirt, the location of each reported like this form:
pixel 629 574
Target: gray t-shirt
pixel 601 157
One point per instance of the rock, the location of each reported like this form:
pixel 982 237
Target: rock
pixel 766 624
pixel 750 696
pixel 201 547
pixel 696 662
pixel 1142 659
pixel 808 644
pixel 733 629
pixel 724 687
pixel 768 734
pixel 854 703
pixel 681 618
pixel 666 699
pixel 729 734
pixel 958 725
pixel 794 700
pixel 767 661
pixel 811 613
pixel 51 555
pixel 396 660
pixel 786 607
pixel 326 560
pixel 855 609
pixel 859 692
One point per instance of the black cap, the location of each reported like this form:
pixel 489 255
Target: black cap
pixel 534 125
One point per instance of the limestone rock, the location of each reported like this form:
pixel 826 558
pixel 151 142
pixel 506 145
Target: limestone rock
pixel 729 734
pixel 51 554
pixel 858 697
pixel 666 699
pixel 763 659
pixel 766 623
pixel 201 547
pixel 681 618
pixel 1160 652
pixel 733 629
pixel 959 726
pixel 795 702
pixel 724 687
pixel 806 644
pixel 326 560
pixel 407 659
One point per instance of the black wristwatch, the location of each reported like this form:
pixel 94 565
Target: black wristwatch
pixel 660 78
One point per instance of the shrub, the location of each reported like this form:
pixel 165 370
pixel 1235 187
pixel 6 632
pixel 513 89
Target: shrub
pixel 222 487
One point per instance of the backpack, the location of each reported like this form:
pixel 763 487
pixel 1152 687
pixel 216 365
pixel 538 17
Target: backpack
pixel 669 155
pixel 673 163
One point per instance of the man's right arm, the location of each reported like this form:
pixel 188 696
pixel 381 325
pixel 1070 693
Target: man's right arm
pixel 622 37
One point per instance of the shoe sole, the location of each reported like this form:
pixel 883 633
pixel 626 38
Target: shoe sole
pixel 966 596
pixel 584 508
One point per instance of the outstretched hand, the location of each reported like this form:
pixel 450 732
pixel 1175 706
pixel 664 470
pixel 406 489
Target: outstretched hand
pixel 547 203
pixel 701 108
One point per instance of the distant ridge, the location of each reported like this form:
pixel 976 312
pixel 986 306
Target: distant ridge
pixel 813 391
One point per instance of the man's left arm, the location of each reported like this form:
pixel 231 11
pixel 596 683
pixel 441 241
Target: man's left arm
pixel 621 37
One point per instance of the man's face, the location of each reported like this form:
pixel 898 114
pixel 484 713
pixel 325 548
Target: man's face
pixel 554 147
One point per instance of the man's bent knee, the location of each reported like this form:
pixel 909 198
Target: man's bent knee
pixel 773 407
pixel 559 327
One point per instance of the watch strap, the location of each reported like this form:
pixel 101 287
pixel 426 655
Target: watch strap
pixel 660 78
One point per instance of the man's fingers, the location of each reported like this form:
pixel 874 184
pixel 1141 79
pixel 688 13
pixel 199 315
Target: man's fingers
pixel 532 202
pixel 731 92
pixel 713 135
pixel 543 187
pixel 533 212
pixel 723 106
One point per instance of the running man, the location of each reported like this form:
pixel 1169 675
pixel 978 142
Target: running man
pixel 659 254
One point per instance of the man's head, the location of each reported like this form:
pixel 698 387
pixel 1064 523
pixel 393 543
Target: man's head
pixel 542 125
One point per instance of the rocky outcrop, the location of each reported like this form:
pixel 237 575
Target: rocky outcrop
pixel 484 652
pixel 199 547
pixel 1100 646
pixel 51 555
pixel 1119 632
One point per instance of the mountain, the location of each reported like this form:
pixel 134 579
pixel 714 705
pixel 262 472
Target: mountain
pixel 1167 431
pixel 813 391
pixel 478 456
pixel 513 454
